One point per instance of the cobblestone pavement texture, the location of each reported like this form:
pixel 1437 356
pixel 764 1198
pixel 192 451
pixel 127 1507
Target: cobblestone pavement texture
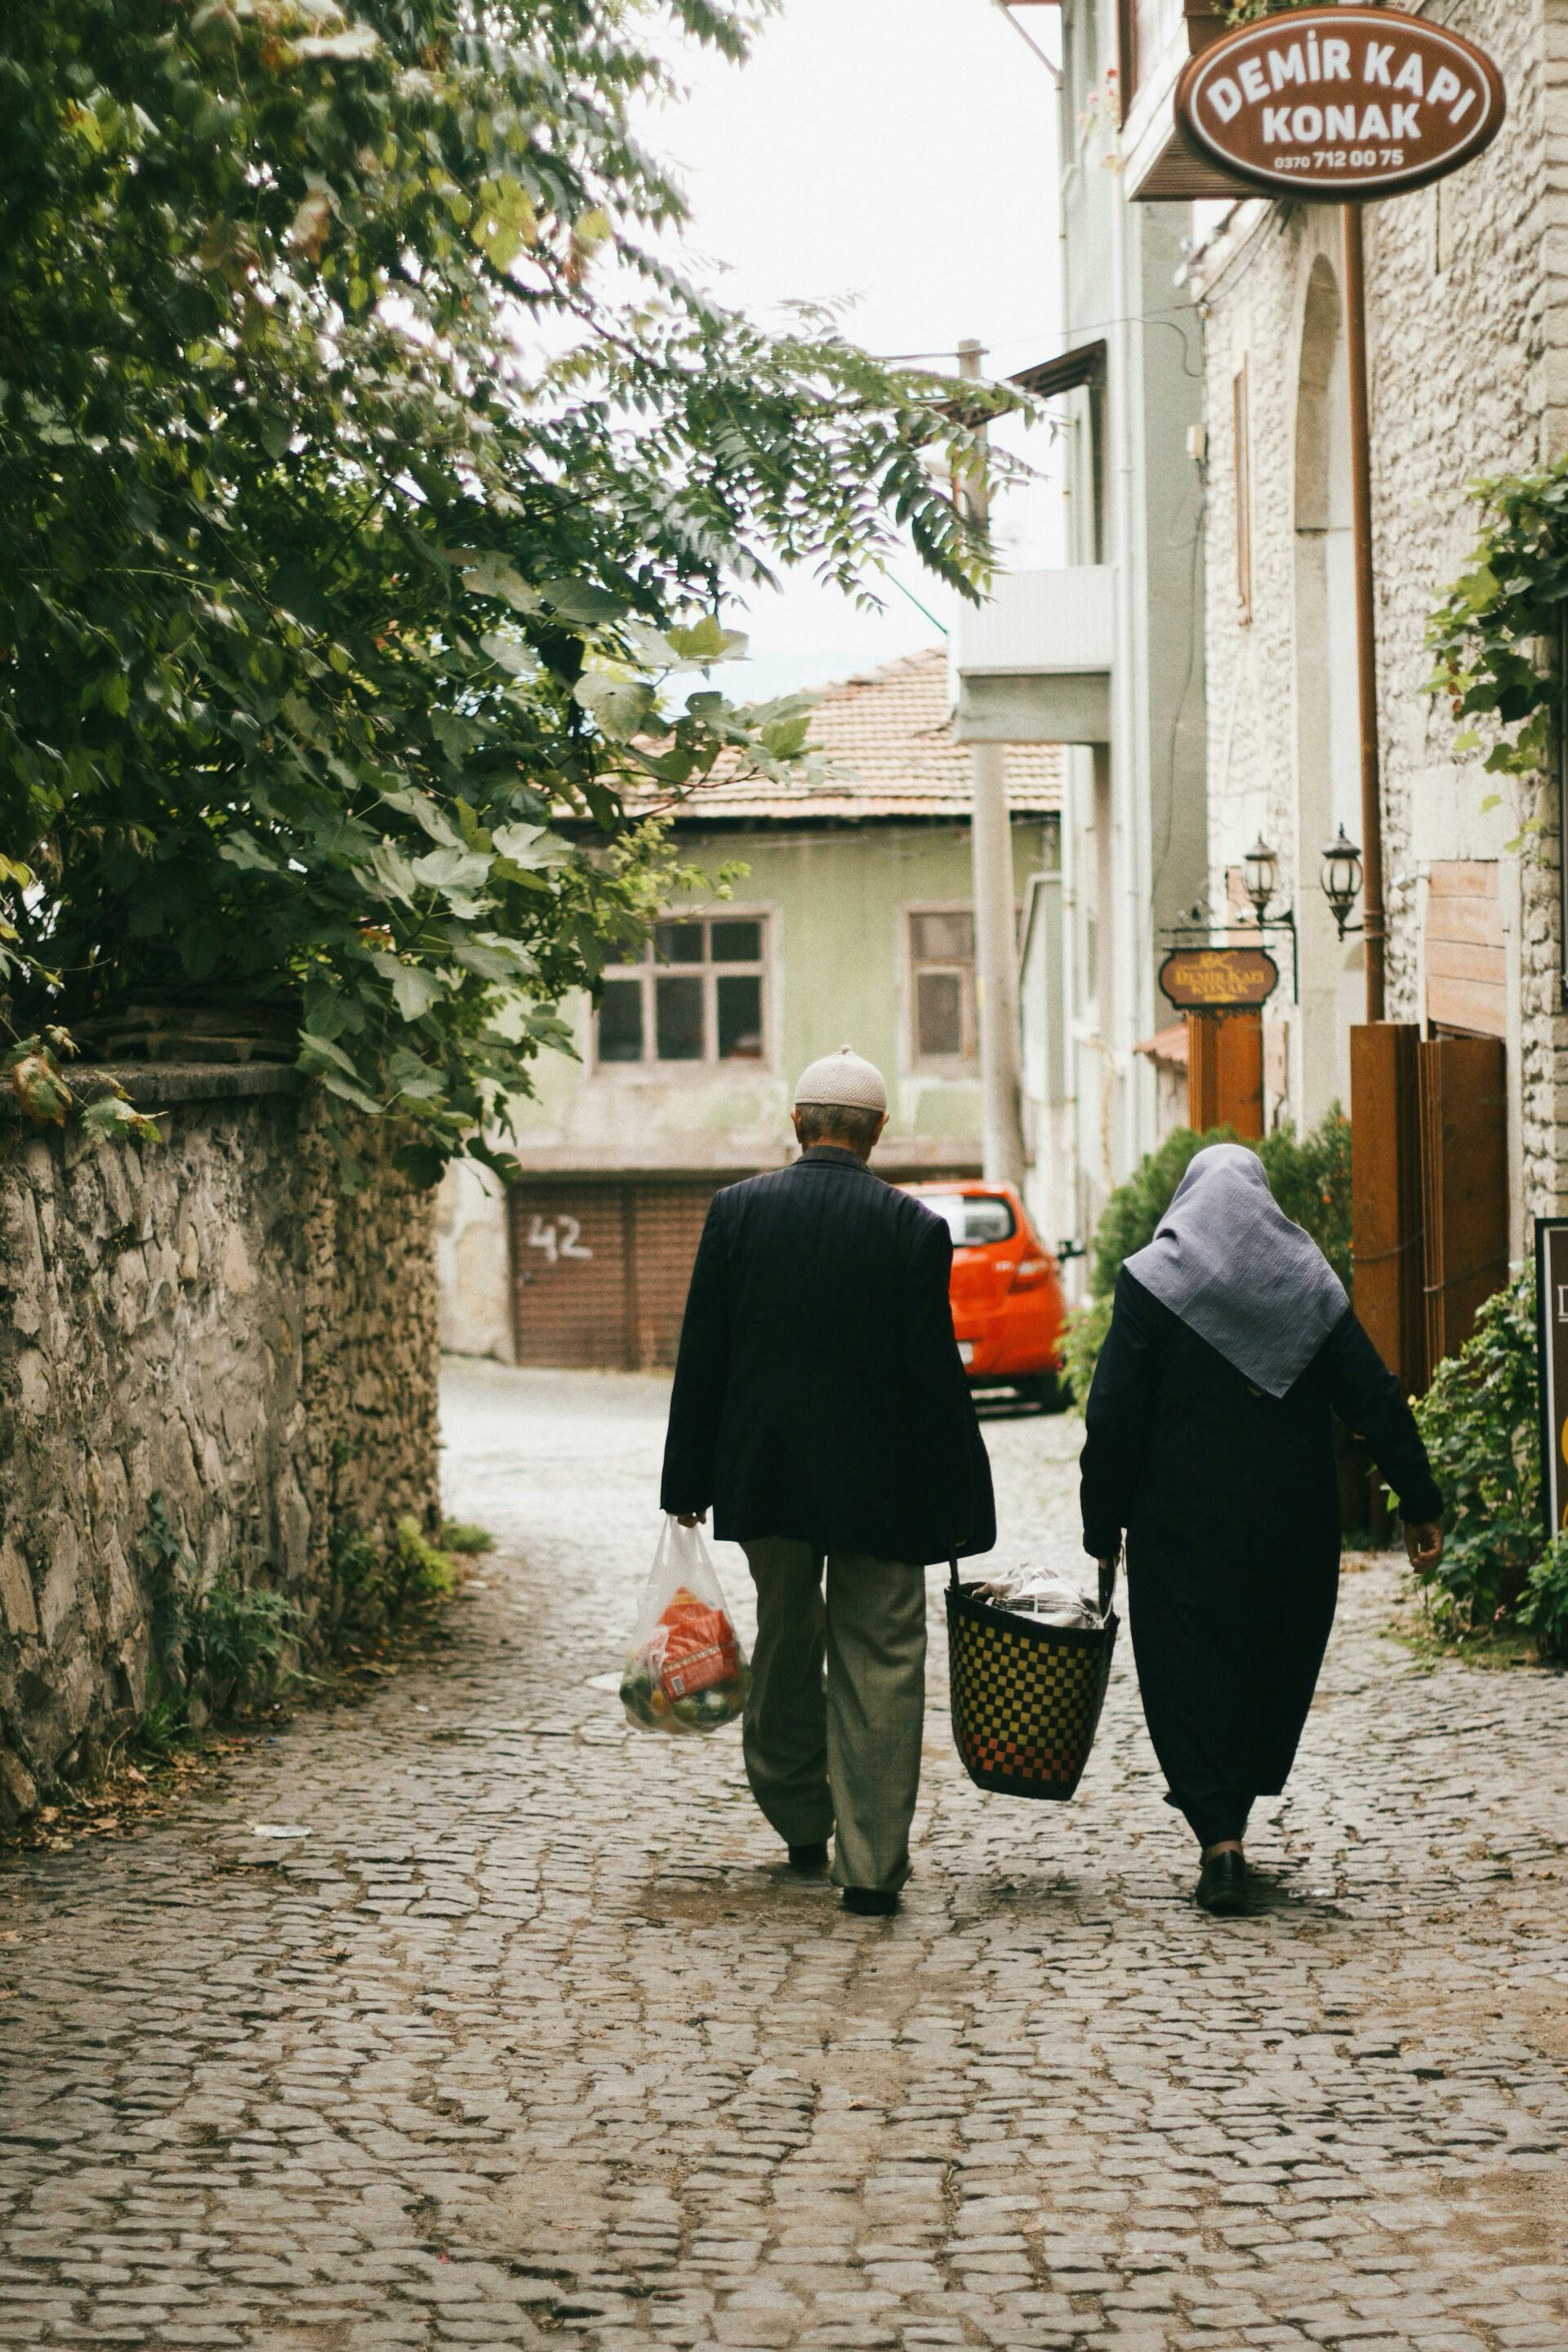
pixel 521 2034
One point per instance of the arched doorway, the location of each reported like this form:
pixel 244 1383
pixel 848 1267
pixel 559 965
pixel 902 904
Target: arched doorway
pixel 1328 764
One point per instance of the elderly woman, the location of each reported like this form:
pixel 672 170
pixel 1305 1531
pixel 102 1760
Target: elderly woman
pixel 1209 1445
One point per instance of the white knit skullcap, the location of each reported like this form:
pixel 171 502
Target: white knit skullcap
pixel 843 1081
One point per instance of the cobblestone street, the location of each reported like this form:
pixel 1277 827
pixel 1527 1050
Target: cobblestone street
pixel 520 2034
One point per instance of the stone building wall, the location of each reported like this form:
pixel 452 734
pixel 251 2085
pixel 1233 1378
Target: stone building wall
pixel 211 1321
pixel 1468 310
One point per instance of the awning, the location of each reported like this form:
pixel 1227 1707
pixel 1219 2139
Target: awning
pixel 1167 1048
pixel 1069 374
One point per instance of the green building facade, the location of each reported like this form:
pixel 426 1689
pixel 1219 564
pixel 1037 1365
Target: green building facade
pixel 851 924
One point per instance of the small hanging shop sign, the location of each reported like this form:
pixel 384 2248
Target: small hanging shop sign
pixel 1219 980
pixel 1336 104
pixel 1552 1335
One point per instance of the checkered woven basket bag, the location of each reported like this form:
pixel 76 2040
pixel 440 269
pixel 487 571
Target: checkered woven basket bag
pixel 1025 1697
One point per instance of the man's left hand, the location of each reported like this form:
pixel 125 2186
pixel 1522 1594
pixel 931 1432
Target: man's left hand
pixel 691 1518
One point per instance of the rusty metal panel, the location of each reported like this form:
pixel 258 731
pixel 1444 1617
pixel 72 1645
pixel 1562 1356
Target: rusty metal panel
pixel 569 1273
pixel 601 1269
pixel 668 1215
pixel 1464 1154
pixel 1388 1245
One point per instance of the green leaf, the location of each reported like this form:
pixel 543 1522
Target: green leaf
pixel 622 706
pixel 786 737
pixel 494 958
pixel 579 600
pixel 532 847
pixel 512 653
pixel 414 990
pixel 112 1120
pixel 321 1054
pixel 239 850
pixel 391 873
pixel 707 641
pixel 493 575
pixel 452 869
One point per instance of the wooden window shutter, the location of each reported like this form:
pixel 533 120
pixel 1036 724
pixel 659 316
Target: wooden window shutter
pixel 1466 951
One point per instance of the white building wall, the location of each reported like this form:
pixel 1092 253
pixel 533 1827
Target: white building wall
pixel 1467 296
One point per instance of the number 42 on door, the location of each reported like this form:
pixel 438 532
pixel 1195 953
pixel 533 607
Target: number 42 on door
pixel 560 1238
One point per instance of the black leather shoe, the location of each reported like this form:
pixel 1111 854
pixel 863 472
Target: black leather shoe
pixel 871 1902
pixel 809 1858
pixel 1222 1885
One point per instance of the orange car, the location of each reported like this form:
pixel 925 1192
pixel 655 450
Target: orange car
pixel 1008 1306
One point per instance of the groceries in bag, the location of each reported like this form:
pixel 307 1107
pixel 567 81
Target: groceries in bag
pixel 686 1670
pixel 1051 1595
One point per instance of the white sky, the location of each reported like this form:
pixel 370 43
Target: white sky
pixel 901 152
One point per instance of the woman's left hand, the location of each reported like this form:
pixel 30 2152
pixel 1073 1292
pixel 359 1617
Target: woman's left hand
pixel 1425 1544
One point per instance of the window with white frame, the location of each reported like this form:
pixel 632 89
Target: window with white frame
pixel 942 990
pixel 697 994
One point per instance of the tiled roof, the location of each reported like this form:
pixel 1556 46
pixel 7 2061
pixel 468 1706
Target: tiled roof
pixel 888 745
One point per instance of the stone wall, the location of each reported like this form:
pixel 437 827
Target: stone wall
pixel 1469 329
pixel 211 1321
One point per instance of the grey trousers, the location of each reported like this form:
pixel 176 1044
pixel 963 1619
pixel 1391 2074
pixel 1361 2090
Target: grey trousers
pixel 837 1711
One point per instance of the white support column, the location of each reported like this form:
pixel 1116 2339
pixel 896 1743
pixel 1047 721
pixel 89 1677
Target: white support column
pixel 996 929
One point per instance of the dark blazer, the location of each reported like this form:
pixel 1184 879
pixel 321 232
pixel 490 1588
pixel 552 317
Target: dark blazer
pixel 818 1391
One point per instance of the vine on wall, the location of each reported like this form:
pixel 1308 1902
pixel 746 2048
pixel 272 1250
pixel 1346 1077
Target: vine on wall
pixel 1495 633
pixel 1248 12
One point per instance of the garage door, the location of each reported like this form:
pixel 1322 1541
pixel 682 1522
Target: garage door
pixel 600 1270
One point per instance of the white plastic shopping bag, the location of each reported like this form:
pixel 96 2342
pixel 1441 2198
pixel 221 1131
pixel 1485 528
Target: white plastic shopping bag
pixel 686 1670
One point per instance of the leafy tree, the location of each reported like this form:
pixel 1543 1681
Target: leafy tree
pixel 369 476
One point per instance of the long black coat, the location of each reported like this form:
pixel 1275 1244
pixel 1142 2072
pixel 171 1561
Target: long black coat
pixel 818 1391
pixel 1229 1501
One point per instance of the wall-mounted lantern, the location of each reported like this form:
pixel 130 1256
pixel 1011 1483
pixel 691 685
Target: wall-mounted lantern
pixel 1261 875
pixel 1343 881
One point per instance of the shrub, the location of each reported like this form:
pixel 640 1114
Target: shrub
pixel 462 1537
pixel 377 1582
pixel 224 1642
pixel 1309 1176
pixel 1545 1609
pixel 423 1572
pixel 1480 1421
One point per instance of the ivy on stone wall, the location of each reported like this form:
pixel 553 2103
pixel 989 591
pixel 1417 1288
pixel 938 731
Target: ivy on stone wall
pixel 1248 12
pixel 1496 631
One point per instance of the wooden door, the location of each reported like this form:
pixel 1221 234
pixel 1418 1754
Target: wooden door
pixel 1387 1214
pixel 1224 1072
pixel 1464 1161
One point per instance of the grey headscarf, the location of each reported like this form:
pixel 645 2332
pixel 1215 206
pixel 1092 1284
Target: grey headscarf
pixel 1230 1263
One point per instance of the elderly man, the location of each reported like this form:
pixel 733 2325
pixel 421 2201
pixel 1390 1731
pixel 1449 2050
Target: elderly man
pixel 821 1412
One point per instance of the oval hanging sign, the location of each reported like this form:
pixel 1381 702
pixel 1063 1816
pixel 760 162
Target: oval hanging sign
pixel 1331 104
pixel 1219 980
